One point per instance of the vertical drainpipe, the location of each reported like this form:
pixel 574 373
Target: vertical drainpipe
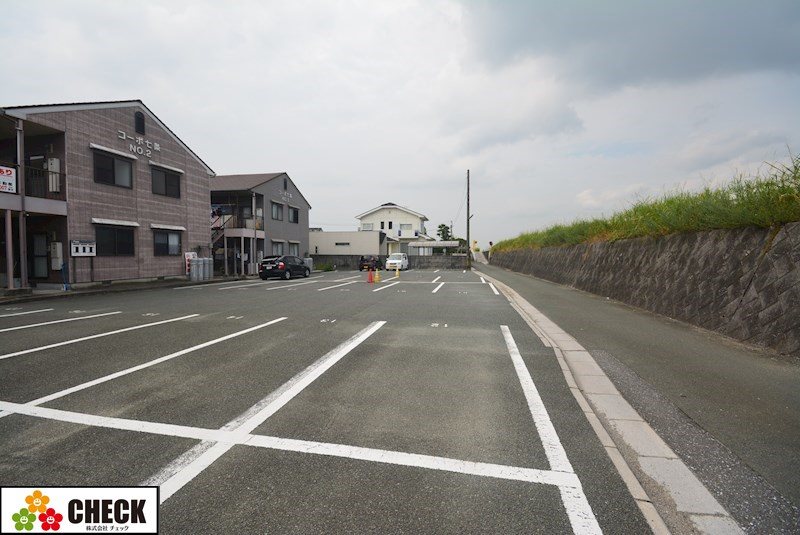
pixel 10 249
pixel 23 238
pixel 255 234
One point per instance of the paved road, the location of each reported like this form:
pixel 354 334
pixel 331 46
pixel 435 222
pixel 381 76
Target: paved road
pixel 314 405
pixel 732 413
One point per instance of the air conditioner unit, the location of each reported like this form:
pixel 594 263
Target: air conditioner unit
pixel 54 174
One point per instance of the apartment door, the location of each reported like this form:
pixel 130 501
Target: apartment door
pixel 40 256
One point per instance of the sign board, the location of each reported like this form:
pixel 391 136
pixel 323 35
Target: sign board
pixel 188 257
pixel 83 248
pixel 8 179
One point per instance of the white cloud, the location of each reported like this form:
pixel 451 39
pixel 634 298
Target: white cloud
pixel 556 116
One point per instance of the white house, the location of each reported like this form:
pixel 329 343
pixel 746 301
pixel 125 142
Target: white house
pixel 399 223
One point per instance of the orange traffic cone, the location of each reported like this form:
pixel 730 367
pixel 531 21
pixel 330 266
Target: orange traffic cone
pixel 369 276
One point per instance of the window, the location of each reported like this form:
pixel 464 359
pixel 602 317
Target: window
pixel 277 248
pixel 113 171
pixel 294 249
pixel 285 184
pixel 166 183
pixel 343 243
pixel 381 225
pixel 366 226
pixel 166 243
pixel 390 225
pixel 294 215
pixel 114 241
pixel 139 122
pixel 277 211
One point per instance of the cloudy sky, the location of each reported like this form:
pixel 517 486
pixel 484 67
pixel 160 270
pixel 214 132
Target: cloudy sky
pixel 560 109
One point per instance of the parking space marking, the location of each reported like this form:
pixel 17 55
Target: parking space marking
pixel 249 285
pixel 483 281
pixel 200 286
pixel 115 375
pixel 24 313
pixel 436 279
pixel 59 321
pixel 437 288
pixel 494 289
pixel 225 439
pixel 577 505
pixel 347 278
pixel 84 338
pixel 437 271
pixel 291 285
pixel 338 285
pixel 248 421
pixel 386 286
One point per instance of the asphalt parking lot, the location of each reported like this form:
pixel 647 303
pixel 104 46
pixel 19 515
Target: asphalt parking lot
pixel 423 403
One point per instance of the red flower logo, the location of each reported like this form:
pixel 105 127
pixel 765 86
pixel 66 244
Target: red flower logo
pixel 50 520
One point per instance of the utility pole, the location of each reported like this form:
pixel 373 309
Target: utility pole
pixel 469 243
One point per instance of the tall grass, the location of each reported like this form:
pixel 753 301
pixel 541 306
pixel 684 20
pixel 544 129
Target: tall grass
pixel 762 201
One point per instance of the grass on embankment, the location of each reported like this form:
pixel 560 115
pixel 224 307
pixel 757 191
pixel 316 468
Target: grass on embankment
pixel 761 201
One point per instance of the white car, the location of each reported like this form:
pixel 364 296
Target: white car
pixel 397 261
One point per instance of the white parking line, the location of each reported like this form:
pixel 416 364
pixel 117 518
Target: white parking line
pixel 578 509
pixel 59 321
pixel 347 278
pixel 437 288
pixel 84 338
pixel 437 271
pixel 115 375
pixel 291 285
pixel 483 281
pixel 200 286
pixel 386 286
pixel 249 285
pixel 256 415
pixel 338 285
pixel 225 439
pixel 23 313
pixel 436 279
pixel 494 289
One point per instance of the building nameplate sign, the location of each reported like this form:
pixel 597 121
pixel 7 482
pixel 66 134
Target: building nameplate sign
pixel 139 145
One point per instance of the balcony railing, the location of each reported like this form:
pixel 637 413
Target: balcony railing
pixel 45 184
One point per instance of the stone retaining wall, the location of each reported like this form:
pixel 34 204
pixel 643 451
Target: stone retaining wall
pixel 743 283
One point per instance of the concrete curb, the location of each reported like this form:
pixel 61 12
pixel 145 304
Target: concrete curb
pixel 606 409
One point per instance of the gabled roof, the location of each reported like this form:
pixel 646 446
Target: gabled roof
pixel 23 111
pixel 248 182
pixel 392 205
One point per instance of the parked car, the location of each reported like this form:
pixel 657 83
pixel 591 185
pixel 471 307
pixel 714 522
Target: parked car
pixel 397 261
pixel 284 267
pixel 369 262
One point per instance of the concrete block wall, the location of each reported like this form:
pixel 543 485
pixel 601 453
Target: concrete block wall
pixel 414 262
pixel 743 283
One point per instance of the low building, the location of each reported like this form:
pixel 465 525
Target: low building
pixel 354 242
pixel 104 189
pixel 256 215
pixel 402 225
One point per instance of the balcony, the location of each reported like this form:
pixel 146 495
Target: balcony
pixel 45 184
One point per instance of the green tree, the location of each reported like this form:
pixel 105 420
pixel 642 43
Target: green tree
pixel 444 232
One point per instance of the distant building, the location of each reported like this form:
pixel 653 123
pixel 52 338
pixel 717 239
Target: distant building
pixel 108 176
pixel 257 215
pixel 350 243
pixel 401 225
